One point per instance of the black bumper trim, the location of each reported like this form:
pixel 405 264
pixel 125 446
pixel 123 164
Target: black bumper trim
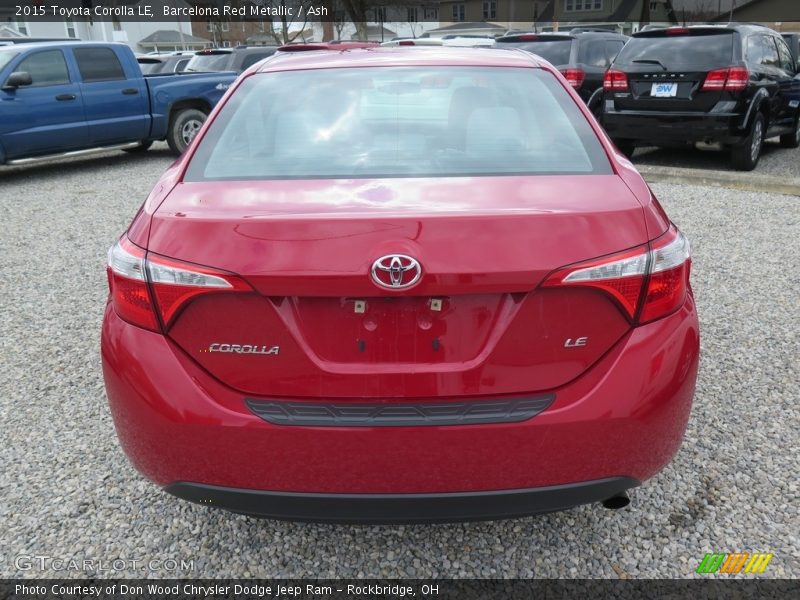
pixel 355 414
pixel 402 508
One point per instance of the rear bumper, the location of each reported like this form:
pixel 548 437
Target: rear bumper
pixel 402 508
pixel 622 420
pixel 656 127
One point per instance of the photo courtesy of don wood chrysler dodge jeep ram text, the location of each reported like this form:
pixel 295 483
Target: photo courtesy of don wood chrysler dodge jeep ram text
pixel 400 284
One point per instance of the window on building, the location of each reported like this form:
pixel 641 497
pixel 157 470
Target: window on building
pixel 46 68
pixel 489 9
pixel 458 12
pixel 69 25
pixel 431 14
pixel 573 5
pixel 20 26
pixel 379 14
pixel 225 26
pixel 209 26
pixel 412 14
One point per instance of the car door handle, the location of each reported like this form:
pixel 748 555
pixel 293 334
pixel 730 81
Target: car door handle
pixel 65 97
pixel 130 91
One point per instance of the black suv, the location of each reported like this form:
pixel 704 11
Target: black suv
pixel 582 56
pixel 236 59
pixel 731 85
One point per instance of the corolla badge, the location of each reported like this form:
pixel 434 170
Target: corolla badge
pixel 396 271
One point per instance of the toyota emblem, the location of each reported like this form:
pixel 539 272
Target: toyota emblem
pixel 396 271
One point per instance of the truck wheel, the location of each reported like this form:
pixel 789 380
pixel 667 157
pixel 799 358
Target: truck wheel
pixel 142 147
pixel 792 140
pixel 183 126
pixel 745 155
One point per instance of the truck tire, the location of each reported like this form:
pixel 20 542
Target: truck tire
pixel 142 147
pixel 745 156
pixel 792 140
pixel 183 126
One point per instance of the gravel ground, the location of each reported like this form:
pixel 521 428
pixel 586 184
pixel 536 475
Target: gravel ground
pixel 776 161
pixel 69 492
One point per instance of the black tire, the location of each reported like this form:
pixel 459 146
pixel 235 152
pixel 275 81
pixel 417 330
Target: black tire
pixel 792 140
pixel 142 147
pixel 183 126
pixel 745 156
pixel 626 147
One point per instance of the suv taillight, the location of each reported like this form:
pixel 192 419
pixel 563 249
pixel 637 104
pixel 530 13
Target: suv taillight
pixel 732 79
pixel 648 282
pixel 148 290
pixel 574 77
pixel 615 81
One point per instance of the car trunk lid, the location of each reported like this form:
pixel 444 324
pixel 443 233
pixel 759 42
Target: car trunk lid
pixel 475 324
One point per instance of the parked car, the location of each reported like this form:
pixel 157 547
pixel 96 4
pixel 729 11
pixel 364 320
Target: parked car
pixel 400 285
pixel 582 56
pixel 236 59
pixel 78 97
pixel 163 63
pixel 731 85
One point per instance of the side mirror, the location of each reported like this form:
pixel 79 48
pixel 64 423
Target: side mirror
pixel 17 79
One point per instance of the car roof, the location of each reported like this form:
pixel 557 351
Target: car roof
pixel 399 56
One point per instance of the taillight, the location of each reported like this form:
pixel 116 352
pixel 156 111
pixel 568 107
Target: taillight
pixel 670 263
pixel 648 282
pixel 406 43
pixel 148 290
pixel 574 77
pixel 732 79
pixel 615 81
pixel 130 294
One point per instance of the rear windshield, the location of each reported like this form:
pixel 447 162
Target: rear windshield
pixel 398 122
pixel 150 66
pixel 554 52
pixel 209 62
pixel 699 50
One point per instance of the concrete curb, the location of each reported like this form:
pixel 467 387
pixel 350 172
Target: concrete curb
pixel 735 180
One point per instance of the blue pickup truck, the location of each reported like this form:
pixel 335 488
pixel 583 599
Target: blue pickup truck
pixel 72 98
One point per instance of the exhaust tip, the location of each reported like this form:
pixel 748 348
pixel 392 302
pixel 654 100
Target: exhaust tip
pixel 616 502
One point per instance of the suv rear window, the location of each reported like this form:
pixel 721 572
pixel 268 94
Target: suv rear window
pixel 701 50
pixel 377 122
pixel 203 63
pixel 555 52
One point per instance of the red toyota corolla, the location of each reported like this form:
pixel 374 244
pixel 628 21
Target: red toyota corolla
pixel 400 284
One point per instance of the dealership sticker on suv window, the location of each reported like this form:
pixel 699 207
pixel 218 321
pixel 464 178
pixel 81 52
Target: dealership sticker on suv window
pixel 664 90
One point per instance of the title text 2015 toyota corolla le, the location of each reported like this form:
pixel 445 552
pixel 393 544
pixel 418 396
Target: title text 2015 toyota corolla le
pixel 400 284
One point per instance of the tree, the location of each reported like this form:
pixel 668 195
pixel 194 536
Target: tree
pixel 291 26
pixel 357 11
